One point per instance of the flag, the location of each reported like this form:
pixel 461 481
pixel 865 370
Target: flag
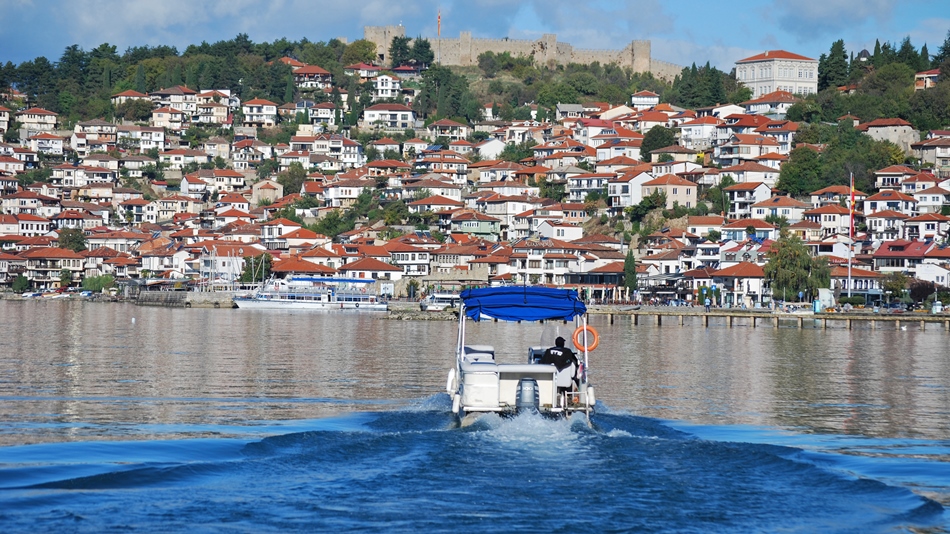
pixel 439 23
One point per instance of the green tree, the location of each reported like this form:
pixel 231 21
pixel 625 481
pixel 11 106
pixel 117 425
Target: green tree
pixel 943 52
pixel 717 196
pixel 293 178
pixel 289 89
pixel 73 239
pixel 399 52
pixel 551 189
pixel 657 137
pixel 359 51
pixel 421 53
pixel 257 268
pixel 135 110
pixel 895 283
pixel 489 65
pixel 833 68
pixel 20 284
pixel 779 221
pixel 791 269
pixel 630 272
pixel 517 152
pixel 802 173
pixel 98 283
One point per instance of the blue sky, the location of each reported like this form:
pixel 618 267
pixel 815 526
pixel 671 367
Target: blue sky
pixel 681 31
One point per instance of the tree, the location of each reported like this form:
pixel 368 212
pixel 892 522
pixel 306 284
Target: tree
pixel 399 52
pixel 657 137
pixel 895 283
pixel 791 269
pixel 135 109
pixel 65 277
pixel 421 53
pixel 140 78
pixel 20 284
pixel 489 65
pixel 630 272
pixel 257 268
pixel 718 197
pixel 833 68
pixel 779 221
pixel 359 51
pixel 517 153
pixel 72 239
pixel 943 53
pixel 802 173
pixel 293 178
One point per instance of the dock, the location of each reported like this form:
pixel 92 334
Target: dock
pixel 751 318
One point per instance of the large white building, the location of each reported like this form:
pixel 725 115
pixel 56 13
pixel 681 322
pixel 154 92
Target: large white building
pixel 778 70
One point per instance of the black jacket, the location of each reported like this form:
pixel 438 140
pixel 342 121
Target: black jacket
pixel 561 357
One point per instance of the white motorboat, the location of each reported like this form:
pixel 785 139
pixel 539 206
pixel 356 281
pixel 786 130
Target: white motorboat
pixel 439 301
pixel 479 384
pixel 308 293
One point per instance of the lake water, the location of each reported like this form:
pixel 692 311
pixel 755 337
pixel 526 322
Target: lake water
pixel 117 417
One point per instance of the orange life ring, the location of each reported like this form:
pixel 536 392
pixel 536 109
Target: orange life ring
pixel 579 341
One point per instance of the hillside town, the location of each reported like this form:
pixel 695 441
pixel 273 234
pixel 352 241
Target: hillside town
pixel 434 204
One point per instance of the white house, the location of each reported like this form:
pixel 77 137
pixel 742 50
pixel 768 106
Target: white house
pixel 778 70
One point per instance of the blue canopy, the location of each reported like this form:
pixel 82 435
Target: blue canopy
pixel 522 303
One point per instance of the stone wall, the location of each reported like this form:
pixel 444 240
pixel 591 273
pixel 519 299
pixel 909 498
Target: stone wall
pixel 547 51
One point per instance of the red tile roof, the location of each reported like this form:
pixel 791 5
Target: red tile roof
pixel 775 54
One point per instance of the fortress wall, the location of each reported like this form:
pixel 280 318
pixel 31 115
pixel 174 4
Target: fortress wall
pixel 547 51
pixel 665 70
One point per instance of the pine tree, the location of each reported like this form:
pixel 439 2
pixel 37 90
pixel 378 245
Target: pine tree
pixel 924 59
pixel 630 272
pixel 107 77
pixel 943 52
pixel 833 68
pixel 908 55
pixel 289 90
pixel 140 78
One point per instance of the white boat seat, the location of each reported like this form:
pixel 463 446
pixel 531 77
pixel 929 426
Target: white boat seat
pixel 565 377
pixel 479 357
pixel 479 348
pixel 479 367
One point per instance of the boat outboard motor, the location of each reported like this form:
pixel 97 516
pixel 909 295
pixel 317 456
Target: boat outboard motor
pixel 527 398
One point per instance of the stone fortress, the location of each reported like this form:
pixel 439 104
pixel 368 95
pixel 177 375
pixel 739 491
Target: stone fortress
pixel 465 50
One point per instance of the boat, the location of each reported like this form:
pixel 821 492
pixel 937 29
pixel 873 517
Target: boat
pixel 479 384
pixel 439 302
pixel 310 293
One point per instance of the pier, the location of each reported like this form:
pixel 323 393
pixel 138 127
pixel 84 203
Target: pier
pixel 757 319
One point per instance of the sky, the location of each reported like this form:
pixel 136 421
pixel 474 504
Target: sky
pixel 680 31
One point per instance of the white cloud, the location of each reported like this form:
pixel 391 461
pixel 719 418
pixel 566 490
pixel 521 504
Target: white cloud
pixel 810 19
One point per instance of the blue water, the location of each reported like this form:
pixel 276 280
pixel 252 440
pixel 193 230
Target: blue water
pixel 413 469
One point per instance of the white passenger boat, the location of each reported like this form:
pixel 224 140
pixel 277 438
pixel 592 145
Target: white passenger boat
pixel 308 293
pixel 479 384
pixel 440 301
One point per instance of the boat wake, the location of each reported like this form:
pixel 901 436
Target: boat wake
pixel 414 469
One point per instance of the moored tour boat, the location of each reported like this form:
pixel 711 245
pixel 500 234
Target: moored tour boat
pixel 478 384
pixel 307 293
